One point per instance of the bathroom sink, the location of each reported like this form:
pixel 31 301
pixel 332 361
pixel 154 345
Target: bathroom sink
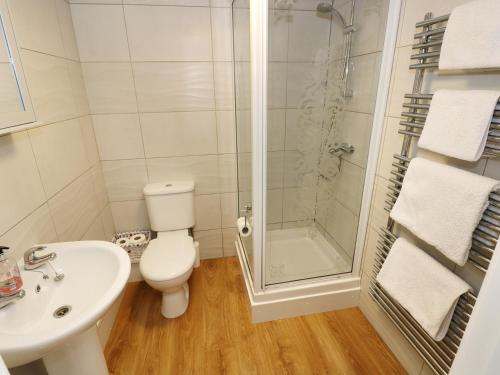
pixel 53 314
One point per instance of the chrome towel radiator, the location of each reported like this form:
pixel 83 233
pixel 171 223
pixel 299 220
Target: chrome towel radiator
pixel 438 355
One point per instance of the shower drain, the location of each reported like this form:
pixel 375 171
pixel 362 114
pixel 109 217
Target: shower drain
pixel 62 311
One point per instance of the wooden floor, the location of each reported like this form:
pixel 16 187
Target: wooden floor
pixel 215 335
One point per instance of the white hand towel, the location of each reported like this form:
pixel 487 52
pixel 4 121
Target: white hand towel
pixel 472 37
pixel 423 286
pixel 458 122
pixel 442 205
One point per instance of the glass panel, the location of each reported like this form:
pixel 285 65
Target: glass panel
pixel 319 126
pixel 241 52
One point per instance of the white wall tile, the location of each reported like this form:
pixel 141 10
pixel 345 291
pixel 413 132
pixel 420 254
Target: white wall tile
pixel 186 3
pixel 391 145
pixel 169 33
pixel 107 221
pixel 229 209
pixel 78 88
pixel 110 87
pixel 299 77
pixel 275 129
pixel 130 215
pixel 363 82
pixel 100 32
pixel 274 206
pixel 203 170
pixel 60 144
pixel 277 88
pixel 280 25
pixel 354 128
pixel 210 243
pixel 221 3
pixel 241 32
pixel 222 29
pixel 95 231
pixel 21 191
pixel 100 192
pixel 370 22
pixel 226 132
pixel 125 179
pixel 227 173
pixel 95 1
pixel 208 212
pixel 163 87
pixel 298 204
pixel 378 214
pixel 36 25
pixel 349 186
pixel 74 208
pixel 229 236
pixel 342 225
pixel 179 133
pixel 118 136
pixel 308 45
pixel 67 30
pixel 223 80
pixel 89 140
pixel 35 229
pixel 49 85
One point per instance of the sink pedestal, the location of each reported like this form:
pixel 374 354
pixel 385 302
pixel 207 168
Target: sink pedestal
pixel 80 355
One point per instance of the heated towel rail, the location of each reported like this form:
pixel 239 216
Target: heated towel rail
pixel 439 355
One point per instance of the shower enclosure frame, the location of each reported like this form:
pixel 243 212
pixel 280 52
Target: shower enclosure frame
pixel 322 293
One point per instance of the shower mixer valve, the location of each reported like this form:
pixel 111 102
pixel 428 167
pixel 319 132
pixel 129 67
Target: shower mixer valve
pixel 340 149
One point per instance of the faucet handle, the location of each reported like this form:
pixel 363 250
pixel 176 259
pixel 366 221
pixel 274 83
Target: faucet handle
pixel 34 249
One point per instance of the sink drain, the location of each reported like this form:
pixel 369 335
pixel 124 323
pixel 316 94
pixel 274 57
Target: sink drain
pixel 62 311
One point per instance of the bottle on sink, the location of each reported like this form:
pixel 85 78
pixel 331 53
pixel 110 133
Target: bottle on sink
pixel 10 277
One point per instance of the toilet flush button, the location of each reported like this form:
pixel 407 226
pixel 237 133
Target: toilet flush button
pixel 169 185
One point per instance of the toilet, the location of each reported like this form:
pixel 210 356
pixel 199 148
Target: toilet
pixel 168 260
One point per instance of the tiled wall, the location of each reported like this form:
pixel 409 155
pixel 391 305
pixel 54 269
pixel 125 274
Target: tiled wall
pixel 401 83
pixel 158 75
pixel 52 186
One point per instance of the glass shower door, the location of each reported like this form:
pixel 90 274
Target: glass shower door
pixel 318 126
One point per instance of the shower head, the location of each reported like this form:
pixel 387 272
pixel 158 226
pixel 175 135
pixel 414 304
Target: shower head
pixel 327 7
pixel 324 7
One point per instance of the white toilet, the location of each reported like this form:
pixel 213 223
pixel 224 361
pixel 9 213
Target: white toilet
pixel 168 261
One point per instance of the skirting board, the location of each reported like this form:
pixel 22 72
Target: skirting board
pixel 296 300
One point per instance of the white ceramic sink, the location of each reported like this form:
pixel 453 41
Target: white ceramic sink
pixel 95 274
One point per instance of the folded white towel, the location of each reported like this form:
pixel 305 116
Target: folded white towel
pixel 423 286
pixel 472 37
pixel 442 205
pixel 458 122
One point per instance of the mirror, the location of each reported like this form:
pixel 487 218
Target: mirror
pixel 15 103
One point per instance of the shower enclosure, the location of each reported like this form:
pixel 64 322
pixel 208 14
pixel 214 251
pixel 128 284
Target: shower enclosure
pixel 306 74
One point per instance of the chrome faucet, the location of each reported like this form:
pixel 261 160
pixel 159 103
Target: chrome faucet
pixel 32 260
pixel 4 301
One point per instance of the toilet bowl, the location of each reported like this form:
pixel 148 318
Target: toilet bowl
pixel 168 260
pixel 166 265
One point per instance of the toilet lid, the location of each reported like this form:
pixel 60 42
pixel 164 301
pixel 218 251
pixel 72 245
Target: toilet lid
pixel 168 256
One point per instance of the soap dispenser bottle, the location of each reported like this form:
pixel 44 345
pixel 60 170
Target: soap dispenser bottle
pixel 10 277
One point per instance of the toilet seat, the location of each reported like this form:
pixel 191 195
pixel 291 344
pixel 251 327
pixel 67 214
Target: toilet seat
pixel 169 256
